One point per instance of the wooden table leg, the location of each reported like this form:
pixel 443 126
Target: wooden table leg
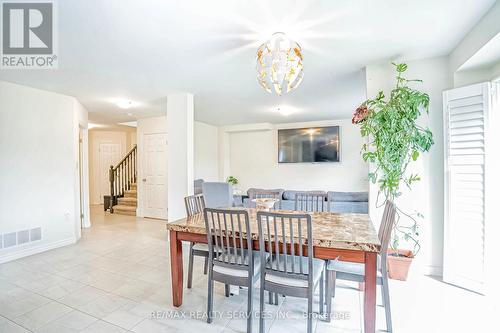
pixel 176 268
pixel 370 291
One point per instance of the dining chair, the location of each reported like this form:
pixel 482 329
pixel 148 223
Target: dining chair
pixel 312 202
pixel 231 259
pixel 264 194
pixel 195 205
pixel 217 194
pixel 337 269
pixel 290 269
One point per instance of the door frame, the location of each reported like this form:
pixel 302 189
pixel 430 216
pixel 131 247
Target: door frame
pixel 82 180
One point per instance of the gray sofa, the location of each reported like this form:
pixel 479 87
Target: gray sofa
pixel 341 202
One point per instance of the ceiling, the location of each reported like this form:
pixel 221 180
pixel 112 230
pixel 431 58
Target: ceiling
pixel 145 50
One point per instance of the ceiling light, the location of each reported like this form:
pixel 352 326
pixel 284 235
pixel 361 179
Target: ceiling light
pixel 285 110
pixel 279 64
pixel 123 103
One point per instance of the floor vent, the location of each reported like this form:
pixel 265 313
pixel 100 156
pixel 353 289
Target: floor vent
pixel 20 237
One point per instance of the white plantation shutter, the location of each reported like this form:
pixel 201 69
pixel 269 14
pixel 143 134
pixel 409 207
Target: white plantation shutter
pixel 465 142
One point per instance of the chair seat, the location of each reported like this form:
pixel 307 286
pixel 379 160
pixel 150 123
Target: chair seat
pixel 351 268
pixel 200 247
pixel 240 272
pixel 318 266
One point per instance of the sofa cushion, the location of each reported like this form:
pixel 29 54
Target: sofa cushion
pixel 290 194
pixel 348 196
pixel 198 186
pixel 252 190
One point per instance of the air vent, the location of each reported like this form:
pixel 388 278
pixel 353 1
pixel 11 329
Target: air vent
pixel 9 239
pixel 20 237
pixel 35 234
pixel 23 237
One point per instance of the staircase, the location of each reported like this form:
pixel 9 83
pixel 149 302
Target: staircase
pixel 123 186
pixel 127 205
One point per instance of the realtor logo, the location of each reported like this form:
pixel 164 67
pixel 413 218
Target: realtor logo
pixel 28 31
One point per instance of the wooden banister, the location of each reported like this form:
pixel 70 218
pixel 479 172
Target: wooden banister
pixel 122 176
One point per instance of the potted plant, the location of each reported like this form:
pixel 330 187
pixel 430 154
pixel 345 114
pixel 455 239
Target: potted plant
pixel 232 180
pixel 396 140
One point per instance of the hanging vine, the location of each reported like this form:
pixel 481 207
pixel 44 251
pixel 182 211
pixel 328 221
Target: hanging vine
pixel 395 140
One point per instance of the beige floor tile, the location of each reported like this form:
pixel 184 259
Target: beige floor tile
pixel 124 319
pixel 82 296
pixel 103 305
pixel 73 321
pixel 7 326
pixel 102 327
pixel 42 315
pixel 18 306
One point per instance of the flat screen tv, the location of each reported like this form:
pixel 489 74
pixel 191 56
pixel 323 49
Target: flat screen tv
pixel 313 145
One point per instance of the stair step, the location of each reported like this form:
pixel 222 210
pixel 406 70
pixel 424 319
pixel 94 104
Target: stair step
pixel 133 186
pixel 127 201
pixel 124 210
pixel 131 194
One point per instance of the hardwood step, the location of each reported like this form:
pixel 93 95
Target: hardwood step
pixel 127 201
pixel 131 194
pixel 124 210
pixel 133 186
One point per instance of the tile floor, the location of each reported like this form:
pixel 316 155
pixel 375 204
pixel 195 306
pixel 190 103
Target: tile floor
pixel 117 279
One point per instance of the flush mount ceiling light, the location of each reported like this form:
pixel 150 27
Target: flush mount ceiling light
pixel 285 110
pixel 123 103
pixel 279 64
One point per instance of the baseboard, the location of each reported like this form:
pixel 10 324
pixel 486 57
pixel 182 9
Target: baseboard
pixel 433 270
pixel 35 250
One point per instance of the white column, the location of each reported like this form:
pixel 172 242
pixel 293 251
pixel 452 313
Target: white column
pixel 180 122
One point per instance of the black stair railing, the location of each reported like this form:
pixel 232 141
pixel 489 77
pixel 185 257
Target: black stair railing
pixel 122 176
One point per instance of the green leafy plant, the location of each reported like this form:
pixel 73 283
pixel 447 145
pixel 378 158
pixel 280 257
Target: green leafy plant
pixel 232 180
pixel 395 140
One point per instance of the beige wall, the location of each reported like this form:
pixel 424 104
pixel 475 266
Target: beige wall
pixel 206 164
pixel 126 137
pixel 253 159
pixel 39 167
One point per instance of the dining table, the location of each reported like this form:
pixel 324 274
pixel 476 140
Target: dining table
pixel 346 237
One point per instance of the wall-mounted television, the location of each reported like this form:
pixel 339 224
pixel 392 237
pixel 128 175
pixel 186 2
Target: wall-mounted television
pixel 313 145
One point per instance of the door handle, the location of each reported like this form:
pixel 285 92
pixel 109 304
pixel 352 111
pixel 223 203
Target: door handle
pixel 144 179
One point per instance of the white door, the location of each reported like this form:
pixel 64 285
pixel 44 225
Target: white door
pixel 465 142
pixel 154 175
pixel 109 154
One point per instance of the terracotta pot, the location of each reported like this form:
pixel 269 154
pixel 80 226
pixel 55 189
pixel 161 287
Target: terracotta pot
pixel 398 266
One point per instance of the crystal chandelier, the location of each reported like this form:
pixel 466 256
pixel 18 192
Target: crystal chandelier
pixel 279 64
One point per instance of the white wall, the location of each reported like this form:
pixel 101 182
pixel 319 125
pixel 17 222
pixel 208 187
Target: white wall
pixel 253 159
pixel 180 124
pixel 426 196
pixel 38 166
pixel 206 163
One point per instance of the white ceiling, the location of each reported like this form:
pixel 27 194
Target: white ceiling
pixel 145 50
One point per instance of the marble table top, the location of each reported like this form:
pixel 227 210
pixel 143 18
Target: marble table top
pixel 330 230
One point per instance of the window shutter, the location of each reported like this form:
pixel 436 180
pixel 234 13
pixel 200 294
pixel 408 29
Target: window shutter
pixel 465 139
